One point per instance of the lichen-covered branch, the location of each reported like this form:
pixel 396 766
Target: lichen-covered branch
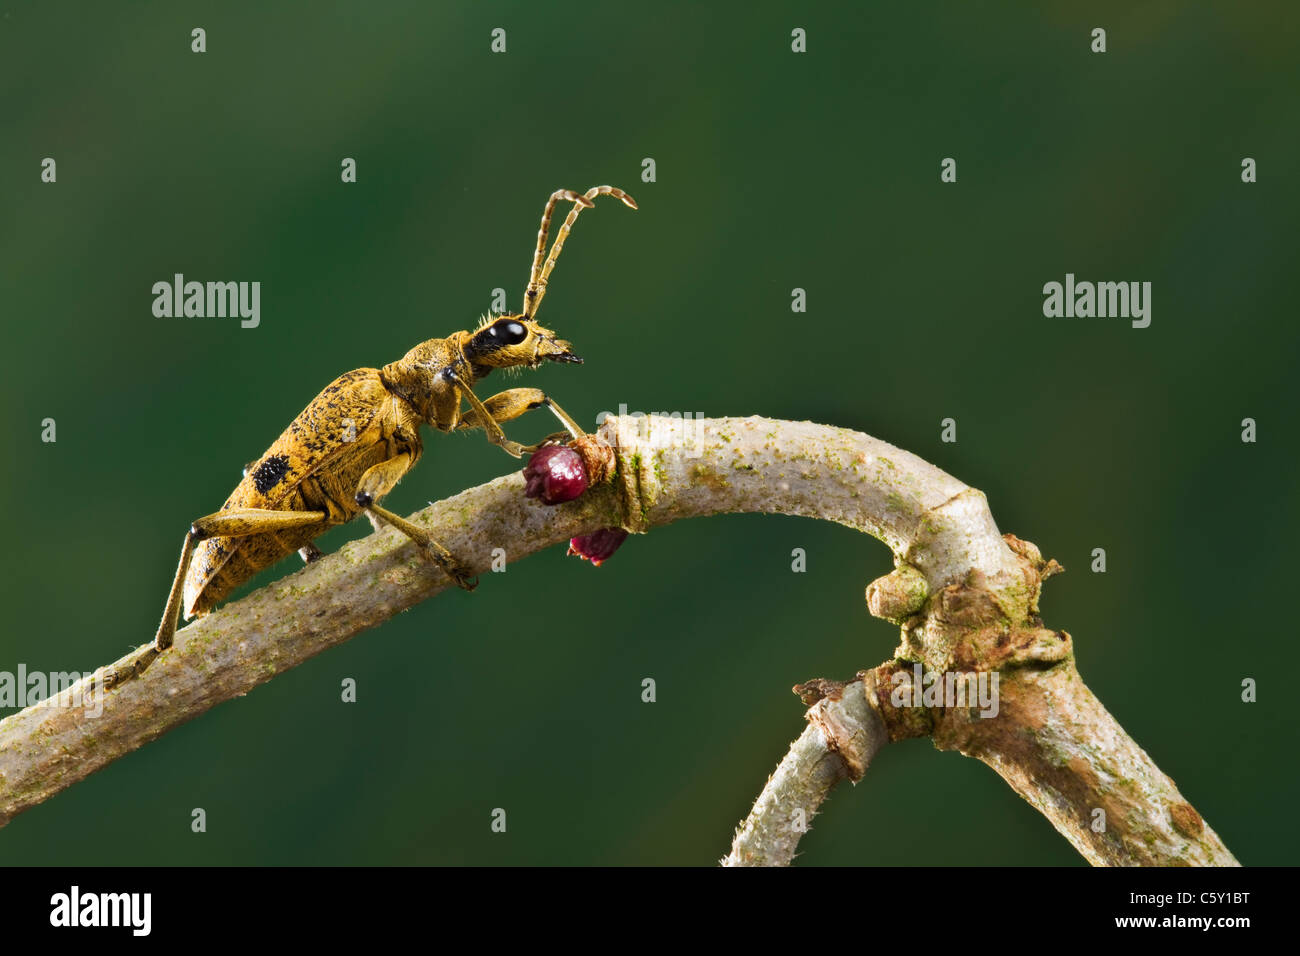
pixel 947 551
pixel 844 732
pixel 1032 720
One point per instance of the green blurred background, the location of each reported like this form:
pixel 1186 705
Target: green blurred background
pixel 774 171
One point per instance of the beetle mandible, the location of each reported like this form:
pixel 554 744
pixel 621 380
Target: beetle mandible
pixel 359 436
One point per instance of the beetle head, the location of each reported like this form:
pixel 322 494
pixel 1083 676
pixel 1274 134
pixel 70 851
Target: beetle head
pixel 515 340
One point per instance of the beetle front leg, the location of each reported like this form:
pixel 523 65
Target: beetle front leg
pixel 509 405
pixel 482 417
pixel 377 482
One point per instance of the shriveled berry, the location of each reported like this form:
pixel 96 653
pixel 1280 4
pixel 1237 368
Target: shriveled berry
pixel 598 546
pixel 555 474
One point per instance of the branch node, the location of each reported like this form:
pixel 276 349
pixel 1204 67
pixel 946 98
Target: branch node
pixel 636 482
pixel 851 727
pixel 898 595
pixel 819 689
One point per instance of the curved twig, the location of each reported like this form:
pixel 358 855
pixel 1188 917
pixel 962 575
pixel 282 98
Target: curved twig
pixel 951 561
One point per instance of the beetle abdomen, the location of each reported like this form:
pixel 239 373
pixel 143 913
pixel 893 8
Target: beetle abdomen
pixel 226 563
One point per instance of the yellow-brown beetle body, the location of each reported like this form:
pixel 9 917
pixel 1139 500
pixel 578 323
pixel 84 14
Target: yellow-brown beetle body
pixel 359 436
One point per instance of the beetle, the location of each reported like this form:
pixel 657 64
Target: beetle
pixel 359 436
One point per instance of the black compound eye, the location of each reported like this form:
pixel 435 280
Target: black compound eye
pixel 511 333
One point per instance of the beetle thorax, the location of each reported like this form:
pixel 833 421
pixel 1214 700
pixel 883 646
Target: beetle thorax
pixel 416 376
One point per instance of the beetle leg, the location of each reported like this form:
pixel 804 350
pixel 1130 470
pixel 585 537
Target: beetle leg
pixel 483 418
pixel 235 523
pixel 566 420
pixel 509 405
pixel 554 438
pixel 428 547
pixel 377 482
pixel 309 553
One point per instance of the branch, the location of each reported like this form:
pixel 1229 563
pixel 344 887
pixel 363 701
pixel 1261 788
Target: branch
pixel 947 550
pixel 1048 736
pixel 844 732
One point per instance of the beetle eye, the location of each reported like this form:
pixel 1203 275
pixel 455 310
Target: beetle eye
pixel 511 333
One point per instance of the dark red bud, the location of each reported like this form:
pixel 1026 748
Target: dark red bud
pixel 598 546
pixel 555 474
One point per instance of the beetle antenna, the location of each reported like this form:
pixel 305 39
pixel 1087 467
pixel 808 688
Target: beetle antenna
pixel 540 274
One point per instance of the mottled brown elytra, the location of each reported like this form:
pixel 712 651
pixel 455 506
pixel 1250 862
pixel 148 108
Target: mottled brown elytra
pixel 357 439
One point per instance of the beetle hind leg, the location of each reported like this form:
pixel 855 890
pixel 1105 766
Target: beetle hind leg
pixel 235 523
